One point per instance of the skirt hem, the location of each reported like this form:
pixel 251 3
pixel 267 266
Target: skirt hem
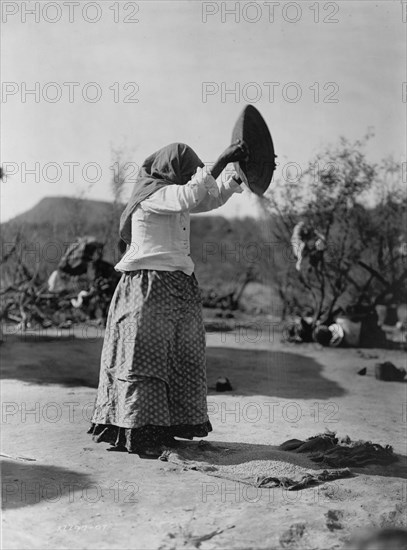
pixel 133 438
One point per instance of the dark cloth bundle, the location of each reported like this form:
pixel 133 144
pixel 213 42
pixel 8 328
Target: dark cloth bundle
pixel 327 449
pixel 388 372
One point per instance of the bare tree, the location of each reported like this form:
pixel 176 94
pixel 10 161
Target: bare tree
pixel 357 207
pixel 121 168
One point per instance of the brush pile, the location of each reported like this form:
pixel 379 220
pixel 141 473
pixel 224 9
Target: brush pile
pixel 79 290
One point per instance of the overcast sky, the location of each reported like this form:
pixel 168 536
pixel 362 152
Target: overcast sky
pixel 182 57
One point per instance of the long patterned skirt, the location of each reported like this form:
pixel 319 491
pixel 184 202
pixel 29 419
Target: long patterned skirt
pixel 152 384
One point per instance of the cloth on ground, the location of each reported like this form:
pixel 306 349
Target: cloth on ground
pixel 237 462
pixel 308 480
pixel 340 453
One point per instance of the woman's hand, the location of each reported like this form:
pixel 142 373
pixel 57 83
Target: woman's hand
pixel 235 152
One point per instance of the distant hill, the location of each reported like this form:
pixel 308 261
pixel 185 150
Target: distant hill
pixel 62 210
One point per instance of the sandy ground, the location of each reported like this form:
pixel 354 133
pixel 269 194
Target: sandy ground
pixel 75 494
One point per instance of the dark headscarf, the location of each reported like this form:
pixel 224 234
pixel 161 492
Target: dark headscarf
pixel 174 164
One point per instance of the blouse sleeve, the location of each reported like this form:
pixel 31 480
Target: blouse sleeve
pixel 210 202
pixel 179 198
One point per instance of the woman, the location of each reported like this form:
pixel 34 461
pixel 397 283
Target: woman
pixel 152 384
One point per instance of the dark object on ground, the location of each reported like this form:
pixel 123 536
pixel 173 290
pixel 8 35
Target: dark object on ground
pixel 301 330
pixel 371 334
pixel 360 326
pixel 308 480
pixel 388 372
pixel 223 384
pixel 391 315
pixel 362 372
pixel 305 330
pixel 322 335
pixel 327 449
pixel 257 171
pixel 382 539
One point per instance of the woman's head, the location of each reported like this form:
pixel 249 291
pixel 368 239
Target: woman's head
pixel 174 164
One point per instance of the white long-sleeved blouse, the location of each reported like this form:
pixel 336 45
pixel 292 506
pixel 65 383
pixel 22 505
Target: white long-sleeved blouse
pixel 160 225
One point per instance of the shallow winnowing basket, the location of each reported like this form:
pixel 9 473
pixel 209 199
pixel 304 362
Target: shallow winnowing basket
pixel 257 171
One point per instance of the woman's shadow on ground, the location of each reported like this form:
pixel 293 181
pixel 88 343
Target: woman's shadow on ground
pixel 272 373
pixel 75 362
pixel 65 360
